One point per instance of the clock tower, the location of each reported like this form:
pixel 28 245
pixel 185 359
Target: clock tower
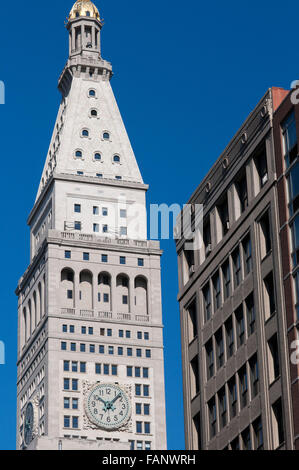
pixel 90 335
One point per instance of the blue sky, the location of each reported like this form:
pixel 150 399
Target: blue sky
pixel 186 75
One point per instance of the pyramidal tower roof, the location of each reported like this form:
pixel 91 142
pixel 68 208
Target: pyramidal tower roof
pixel 89 138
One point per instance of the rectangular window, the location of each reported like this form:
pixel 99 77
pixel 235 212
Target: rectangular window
pixel 74 366
pixel 90 330
pixel 212 417
pixel 295 241
pixel 75 420
pixel 104 258
pixel 247 251
pixel 138 427
pixel 278 428
pixel 111 350
pixel 128 334
pixel 293 183
pixel 140 262
pixel 72 329
pixel 241 187
pixel 67 421
pixel 123 213
pixel 226 279
pixel 138 390
pixel 85 256
pixel 250 311
pixel 146 409
pixel 233 397
pixel 82 347
pixel 146 390
pixel 104 211
pixel 147 428
pixel 254 375
pixel 137 372
pixel 269 296
pixel 139 334
pixel 83 330
pixel 207 301
pixel 224 215
pixel 106 369
pixel 66 403
pixel 148 353
pixel 105 228
pixel 217 291
pixel 83 367
pixel 95 210
pixel 66 384
pixel 262 167
pixel 129 352
pixel 109 332
pixel 220 348
pixel 77 208
pixel 138 353
pixel 237 267
pixel 114 369
pixel 64 328
pixel 63 346
pixel 77 225
pixel 222 407
pixel 258 434
pixel 75 402
pixel 69 294
pixel 230 338
pixel 273 353
pixel 210 359
pixel 98 368
pixel 122 260
pixel 96 227
pixel 207 238
pixel 243 387
pixel 138 408
pixel 130 371
pixel 67 254
pixel 240 323
pixel 106 298
pixel 121 333
pixel 120 351
pixel 73 346
pixel 265 235
pixel 125 299
pixel 92 348
pixel 145 372
pixel 75 385
pixel 246 439
pixel 289 137
pixel 123 231
pixel 66 366
pixel 146 336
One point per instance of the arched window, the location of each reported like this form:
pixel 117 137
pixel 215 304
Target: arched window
pixel 88 13
pixel 97 156
pixel 93 113
pixel 78 154
pixel 85 133
pixel 104 291
pixel 85 290
pixel 67 291
pixel 141 295
pixel 92 93
pixel 123 293
pixel 116 159
pixel 106 135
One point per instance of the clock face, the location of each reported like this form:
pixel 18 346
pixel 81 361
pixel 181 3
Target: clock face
pixel 28 423
pixel 108 406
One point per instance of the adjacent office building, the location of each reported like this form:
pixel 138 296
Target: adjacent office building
pixel 90 336
pixel 239 292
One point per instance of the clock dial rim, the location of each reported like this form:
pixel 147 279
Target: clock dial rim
pixel 94 420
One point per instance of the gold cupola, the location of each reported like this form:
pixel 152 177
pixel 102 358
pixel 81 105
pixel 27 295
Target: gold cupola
pixel 84 8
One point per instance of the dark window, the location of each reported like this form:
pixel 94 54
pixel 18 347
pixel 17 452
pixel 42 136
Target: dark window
pixel 294 189
pixel 207 238
pixel 258 434
pixel 240 323
pixel 212 417
pixel 78 154
pixel 210 359
pixel 265 235
pixel 277 410
pixel 251 319
pixel 82 367
pixel 226 279
pixel 106 136
pixel 223 214
pixel 233 397
pixel 67 254
pixel 85 133
pixel 77 208
pixel 237 267
pixel 140 262
pixel 254 375
pixel 235 444
pixel 247 254
pixel 246 439
pixel 273 347
pixel 86 256
pixel 122 260
pixel 289 135
pixel 92 93
pixel 243 387
pixel 241 186
pixel 104 258
pixel 69 294
pixel 98 368
pixel 270 304
pixel 222 407
pixel 93 112
pixel 77 225
pixel 230 339
pixel 192 317
pixel 220 348
pixel 116 158
pixel 262 168
pixel 195 371
pixel 295 241
pixel 207 301
pixel 217 291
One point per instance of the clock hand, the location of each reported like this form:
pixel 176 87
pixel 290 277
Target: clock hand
pixel 116 398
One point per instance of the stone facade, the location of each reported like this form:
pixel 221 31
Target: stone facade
pixel 90 301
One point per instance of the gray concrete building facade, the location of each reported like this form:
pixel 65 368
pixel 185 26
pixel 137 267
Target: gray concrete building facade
pixel 90 334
